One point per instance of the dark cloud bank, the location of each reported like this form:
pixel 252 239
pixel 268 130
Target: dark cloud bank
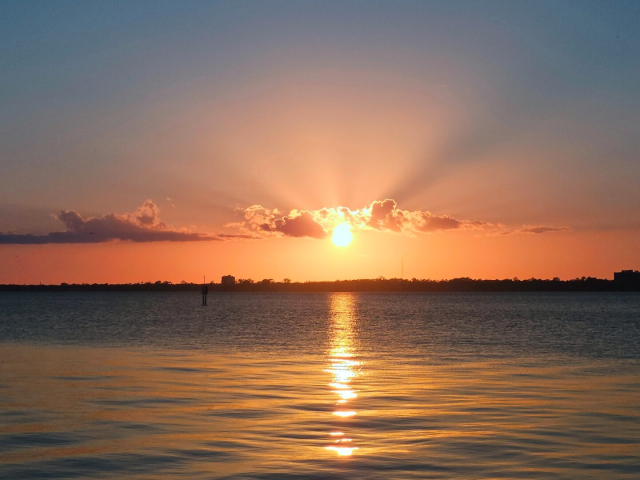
pixel 143 225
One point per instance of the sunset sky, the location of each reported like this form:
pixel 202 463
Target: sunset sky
pixel 144 141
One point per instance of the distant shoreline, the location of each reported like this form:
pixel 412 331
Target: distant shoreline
pixel 585 284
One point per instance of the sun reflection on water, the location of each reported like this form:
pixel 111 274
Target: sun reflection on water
pixel 344 367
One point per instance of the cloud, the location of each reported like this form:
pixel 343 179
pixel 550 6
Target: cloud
pixel 143 225
pixel 527 230
pixel 540 229
pixel 434 223
pixel 299 223
pixel 381 215
pixel 384 215
pixel 239 236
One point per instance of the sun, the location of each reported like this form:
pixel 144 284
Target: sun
pixel 342 235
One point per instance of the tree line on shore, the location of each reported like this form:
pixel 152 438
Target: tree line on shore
pixel 380 284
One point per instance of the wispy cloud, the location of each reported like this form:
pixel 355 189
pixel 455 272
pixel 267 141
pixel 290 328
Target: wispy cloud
pixel 537 229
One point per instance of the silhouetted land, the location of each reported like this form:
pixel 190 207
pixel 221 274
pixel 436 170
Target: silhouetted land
pixel 584 284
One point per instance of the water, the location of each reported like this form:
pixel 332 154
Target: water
pixel 152 385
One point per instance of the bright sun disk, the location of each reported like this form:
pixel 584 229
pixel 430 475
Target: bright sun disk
pixel 342 235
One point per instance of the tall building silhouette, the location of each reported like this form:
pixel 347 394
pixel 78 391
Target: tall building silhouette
pixel 627 278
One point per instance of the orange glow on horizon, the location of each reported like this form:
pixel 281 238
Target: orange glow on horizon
pixel 438 256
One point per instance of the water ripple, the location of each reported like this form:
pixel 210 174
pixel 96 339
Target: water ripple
pixel 321 386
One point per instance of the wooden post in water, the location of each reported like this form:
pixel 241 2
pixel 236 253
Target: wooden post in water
pixel 205 290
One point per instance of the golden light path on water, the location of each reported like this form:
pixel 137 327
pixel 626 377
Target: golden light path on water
pixel 343 368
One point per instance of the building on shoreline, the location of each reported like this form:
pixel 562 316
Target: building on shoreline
pixel 228 280
pixel 627 278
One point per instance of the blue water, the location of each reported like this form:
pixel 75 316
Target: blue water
pixel 153 385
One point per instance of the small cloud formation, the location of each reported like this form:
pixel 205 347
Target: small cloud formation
pixel 142 225
pixel 385 215
pixel 299 223
pixel 238 236
pixel 528 230
pixel 434 223
pixel 147 215
pixel 302 224
pixel 540 229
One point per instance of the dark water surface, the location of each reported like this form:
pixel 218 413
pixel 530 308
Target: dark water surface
pixel 152 385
